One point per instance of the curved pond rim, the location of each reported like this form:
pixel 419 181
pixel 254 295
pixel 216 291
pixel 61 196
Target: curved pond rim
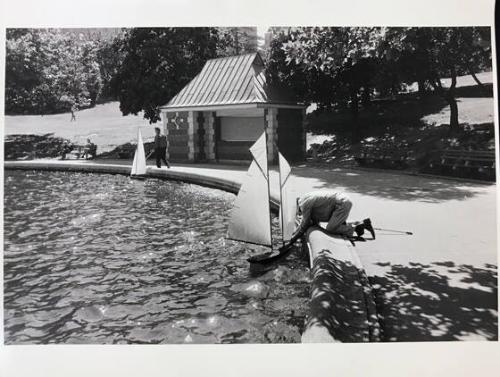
pixel 223 184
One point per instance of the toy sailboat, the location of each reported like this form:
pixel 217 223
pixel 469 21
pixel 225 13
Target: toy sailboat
pixel 139 165
pixel 251 216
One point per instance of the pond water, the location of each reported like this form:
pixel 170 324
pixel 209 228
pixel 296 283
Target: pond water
pixel 99 259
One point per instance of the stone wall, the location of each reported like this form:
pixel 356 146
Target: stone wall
pixel 178 139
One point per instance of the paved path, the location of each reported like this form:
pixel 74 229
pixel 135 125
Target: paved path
pixel 438 284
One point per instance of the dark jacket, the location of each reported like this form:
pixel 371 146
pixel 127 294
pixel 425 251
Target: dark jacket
pixel 160 141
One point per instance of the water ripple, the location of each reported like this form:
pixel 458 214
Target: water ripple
pixel 99 259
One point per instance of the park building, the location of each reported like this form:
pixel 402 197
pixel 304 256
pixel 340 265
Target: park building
pixel 225 108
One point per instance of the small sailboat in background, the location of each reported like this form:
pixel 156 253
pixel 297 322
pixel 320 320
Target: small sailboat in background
pixel 139 165
pixel 251 216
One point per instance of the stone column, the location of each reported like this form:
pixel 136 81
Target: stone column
pixel 271 122
pixel 210 135
pixel 200 118
pixel 164 118
pixel 192 136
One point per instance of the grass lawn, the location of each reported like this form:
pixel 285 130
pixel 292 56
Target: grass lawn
pixel 462 81
pixel 108 128
pixel 396 116
pixel 104 125
pixel 470 110
pixel 407 123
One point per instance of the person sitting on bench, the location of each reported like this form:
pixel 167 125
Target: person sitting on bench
pixel 90 149
pixel 66 148
pixel 327 206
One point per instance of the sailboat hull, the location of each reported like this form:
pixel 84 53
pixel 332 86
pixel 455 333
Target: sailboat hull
pixel 138 177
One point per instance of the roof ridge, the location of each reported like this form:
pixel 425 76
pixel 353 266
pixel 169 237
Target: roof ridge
pixel 232 56
pixel 236 79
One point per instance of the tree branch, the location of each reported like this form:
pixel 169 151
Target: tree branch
pixel 476 79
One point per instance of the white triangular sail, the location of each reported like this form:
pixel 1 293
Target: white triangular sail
pixel 250 219
pixel 139 164
pixel 288 204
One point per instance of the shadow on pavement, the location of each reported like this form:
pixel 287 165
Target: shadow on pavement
pixel 437 302
pixel 392 186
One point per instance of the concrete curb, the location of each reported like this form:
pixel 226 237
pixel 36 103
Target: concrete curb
pixel 341 307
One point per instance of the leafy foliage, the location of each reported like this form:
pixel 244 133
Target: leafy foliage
pixel 430 54
pixel 48 71
pixel 110 56
pixel 157 63
pixel 328 66
pixel 338 68
pixel 236 40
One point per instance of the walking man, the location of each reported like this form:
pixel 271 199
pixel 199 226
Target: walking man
pixel 74 108
pixel 160 148
pixel 327 206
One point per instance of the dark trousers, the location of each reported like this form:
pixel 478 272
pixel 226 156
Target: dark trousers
pixel 160 154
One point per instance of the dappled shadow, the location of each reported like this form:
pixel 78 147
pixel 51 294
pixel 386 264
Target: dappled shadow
pixel 437 301
pixel 341 301
pixel 381 116
pixel 390 185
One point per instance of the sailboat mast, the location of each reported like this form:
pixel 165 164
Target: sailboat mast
pixel 281 204
pixel 269 193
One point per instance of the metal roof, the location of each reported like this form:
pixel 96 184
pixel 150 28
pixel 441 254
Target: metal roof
pixel 231 80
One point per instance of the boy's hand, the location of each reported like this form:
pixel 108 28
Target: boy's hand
pixel 284 248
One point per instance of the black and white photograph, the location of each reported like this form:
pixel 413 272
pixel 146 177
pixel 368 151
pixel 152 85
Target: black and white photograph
pixel 257 184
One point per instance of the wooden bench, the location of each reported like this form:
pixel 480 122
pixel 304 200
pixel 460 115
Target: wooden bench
pixel 78 152
pixel 464 163
pixel 384 157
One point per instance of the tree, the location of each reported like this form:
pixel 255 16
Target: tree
pixel 157 63
pixel 333 67
pixel 439 53
pixel 236 40
pixel 48 71
pixel 110 55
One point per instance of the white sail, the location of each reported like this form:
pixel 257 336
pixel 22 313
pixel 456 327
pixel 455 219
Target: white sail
pixel 288 203
pixel 250 219
pixel 139 164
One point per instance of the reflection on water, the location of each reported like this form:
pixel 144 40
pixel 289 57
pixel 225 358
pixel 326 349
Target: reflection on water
pixel 104 259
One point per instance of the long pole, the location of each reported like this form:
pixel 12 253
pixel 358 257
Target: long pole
pixel 269 194
pixel 394 231
pixel 281 203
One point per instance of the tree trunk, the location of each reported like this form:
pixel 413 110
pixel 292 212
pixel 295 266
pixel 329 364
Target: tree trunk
pixel 478 82
pixel 450 97
pixel 366 97
pixel 454 126
pixel 421 89
pixel 355 112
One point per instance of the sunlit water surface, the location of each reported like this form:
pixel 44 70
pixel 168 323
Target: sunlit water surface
pixel 92 258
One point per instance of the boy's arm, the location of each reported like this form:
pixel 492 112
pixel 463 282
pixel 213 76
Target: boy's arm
pixel 304 224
